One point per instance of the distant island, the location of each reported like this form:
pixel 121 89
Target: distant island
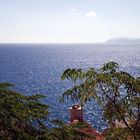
pixel 123 41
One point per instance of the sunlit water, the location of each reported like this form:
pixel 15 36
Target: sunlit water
pixel 37 69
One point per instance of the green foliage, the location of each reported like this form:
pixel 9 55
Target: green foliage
pixel 117 134
pixel 24 117
pixel 117 91
pixel 69 131
pixel 19 113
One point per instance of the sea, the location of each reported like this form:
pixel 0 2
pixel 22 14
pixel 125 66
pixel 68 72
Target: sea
pixel 37 68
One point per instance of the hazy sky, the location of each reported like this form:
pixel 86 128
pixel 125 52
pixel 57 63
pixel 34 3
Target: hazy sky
pixel 68 21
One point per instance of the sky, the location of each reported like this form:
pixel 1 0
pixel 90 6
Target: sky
pixel 68 21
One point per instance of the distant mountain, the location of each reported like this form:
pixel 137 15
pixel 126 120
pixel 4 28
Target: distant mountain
pixel 123 41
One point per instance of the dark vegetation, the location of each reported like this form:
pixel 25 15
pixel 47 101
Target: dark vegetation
pixel 24 117
pixel 116 91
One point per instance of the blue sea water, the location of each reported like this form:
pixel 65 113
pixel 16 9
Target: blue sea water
pixel 36 68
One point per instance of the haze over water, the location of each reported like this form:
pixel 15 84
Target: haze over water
pixel 36 68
